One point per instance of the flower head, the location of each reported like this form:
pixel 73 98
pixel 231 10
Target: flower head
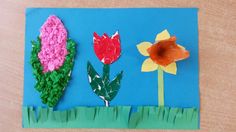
pixel 106 48
pixel 166 52
pixel 53 37
pixel 163 53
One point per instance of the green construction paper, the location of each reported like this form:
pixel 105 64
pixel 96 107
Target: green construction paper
pixel 51 85
pixel 79 117
pixel 106 71
pixel 151 117
pixel 103 87
pixel 160 87
pixel 146 117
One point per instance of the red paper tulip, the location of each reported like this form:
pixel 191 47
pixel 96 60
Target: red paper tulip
pixel 106 48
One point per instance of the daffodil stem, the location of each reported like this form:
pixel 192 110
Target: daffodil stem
pixel 160 88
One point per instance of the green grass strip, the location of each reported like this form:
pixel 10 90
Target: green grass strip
pixel 151 117
pixel 147 117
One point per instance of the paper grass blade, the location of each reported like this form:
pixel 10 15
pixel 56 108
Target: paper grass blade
pixel 163 56
pixel 52 60
pixel 108 51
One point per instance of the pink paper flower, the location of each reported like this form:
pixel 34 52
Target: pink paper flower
pixel 53 37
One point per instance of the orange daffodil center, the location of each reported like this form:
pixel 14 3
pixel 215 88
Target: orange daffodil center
pixel 163 53
pixel 166 52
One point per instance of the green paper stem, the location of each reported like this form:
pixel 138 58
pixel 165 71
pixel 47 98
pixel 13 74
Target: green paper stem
pixel 106 80
pixel 107 103
pixel 160 88
pixel 106 73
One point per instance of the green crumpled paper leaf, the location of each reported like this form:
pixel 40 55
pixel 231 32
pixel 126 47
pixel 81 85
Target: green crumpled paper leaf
pixel 51 85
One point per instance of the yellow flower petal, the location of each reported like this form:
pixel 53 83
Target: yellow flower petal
pixel 171 68
pixel 182 47
pixel 142 48
pixel 162 36
pixel 148 65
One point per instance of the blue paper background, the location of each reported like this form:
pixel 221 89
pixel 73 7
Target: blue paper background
pixel 134 26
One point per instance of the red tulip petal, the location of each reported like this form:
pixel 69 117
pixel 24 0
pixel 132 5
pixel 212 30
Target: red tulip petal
pixel 107 49
pixel 96 36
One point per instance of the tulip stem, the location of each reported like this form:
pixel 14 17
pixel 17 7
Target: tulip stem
pixel 106 72
pixel 106 80
pixel 106 103
pixel 160 88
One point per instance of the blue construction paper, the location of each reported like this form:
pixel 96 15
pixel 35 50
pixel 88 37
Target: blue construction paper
pixel 134 25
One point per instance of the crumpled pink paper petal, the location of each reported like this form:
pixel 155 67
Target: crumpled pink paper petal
pixel 53 37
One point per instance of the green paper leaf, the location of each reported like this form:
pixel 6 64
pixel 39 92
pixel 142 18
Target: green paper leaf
pixel 114 86
pixel 95 81
pixel 102 87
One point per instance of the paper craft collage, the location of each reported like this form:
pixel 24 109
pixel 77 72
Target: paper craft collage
pixel 130 68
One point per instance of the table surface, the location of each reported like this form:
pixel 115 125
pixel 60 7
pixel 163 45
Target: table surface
pixel 217 45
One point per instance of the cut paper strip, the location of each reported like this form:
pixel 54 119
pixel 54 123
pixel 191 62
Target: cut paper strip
pixel 79 117
pixel 147 117
pixel 151 117
pixel 160 88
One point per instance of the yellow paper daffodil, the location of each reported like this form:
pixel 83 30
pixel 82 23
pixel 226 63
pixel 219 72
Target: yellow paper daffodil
pixel 163 55
pixel 168 51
